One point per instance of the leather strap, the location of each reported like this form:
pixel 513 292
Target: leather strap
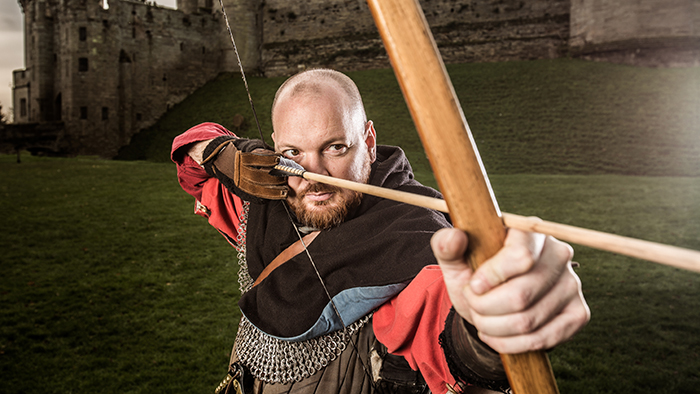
pixel 291 251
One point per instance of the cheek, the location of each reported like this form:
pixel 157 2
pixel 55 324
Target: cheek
pixel 355 169
pixel 344 170
pixel 296 183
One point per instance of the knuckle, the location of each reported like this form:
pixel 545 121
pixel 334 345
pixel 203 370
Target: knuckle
pixel 521 300
pixel 525 324
pixel 583 317
pixel 563 251
pixel 477 309
pixel 538 342
pixel 583 314
pixel 572 284
pixel 523 257
pixel 475 319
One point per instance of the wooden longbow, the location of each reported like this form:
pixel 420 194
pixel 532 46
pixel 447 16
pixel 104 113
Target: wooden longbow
pixel 453 155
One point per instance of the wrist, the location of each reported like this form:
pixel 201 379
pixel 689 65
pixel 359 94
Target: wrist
pixel 196 151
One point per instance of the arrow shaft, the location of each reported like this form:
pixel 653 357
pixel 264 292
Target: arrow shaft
pixel 651 251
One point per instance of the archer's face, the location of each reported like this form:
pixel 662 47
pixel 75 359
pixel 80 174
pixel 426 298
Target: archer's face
pixel 324 138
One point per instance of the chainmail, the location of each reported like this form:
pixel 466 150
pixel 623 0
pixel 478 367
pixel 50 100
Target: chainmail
pixel 273 360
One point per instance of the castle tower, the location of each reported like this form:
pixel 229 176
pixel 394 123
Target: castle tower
pixel 245 19
pixel 104 73
pixel 34 101
pixel 187 6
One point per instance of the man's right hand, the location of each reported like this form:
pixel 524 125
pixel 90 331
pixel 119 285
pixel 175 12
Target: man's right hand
pixel 243 166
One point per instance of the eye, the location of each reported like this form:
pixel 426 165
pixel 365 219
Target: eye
pixel 337 149
pixel 290 153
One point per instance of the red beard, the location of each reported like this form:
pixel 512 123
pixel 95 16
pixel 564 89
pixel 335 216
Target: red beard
pixel 335 209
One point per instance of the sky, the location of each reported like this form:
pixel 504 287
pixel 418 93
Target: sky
pixel 12 47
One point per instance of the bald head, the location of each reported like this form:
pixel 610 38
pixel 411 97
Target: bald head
pixel 327 85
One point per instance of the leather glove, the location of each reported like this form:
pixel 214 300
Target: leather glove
pixel 244 172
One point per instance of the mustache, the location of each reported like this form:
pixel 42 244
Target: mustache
pixel 318 188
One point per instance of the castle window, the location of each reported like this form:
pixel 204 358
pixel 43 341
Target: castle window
pixel 105 113
pixel 182 46
pixel 83 112
pixel 82 64
pixel 138 117
pixel 23 107
pixel 82 33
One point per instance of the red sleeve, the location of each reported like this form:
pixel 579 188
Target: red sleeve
pixel 214 201
pixel 410 323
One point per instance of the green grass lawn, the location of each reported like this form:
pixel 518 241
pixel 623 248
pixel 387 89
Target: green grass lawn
pixel 111 284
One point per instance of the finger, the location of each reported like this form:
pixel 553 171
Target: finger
pixel 449 246
pixel 524 290
pixel 520 251
pixel 558 330
pixel 564 292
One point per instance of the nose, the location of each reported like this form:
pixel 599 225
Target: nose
pixel 314 162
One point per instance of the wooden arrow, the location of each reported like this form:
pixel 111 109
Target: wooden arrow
pixel 651 251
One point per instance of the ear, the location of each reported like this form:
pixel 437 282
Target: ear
pixel 371 140
pixel 274 141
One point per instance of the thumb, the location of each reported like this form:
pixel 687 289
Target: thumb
pixel 449 246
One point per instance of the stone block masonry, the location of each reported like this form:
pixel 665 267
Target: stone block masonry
pixel 342 34
pixel 106 73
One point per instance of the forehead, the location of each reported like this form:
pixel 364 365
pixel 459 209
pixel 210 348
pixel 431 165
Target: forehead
pixel 307 118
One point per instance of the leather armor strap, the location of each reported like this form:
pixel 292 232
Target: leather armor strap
pixel 291 251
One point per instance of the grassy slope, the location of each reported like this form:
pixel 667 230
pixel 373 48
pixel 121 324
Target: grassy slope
pixel 110 284
pixel 539 117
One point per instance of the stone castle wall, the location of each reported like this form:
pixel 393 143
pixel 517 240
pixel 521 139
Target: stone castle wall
pixel 107 73
pixel 342 34
pixel 641 32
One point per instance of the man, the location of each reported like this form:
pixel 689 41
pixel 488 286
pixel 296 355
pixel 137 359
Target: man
pixel 340 291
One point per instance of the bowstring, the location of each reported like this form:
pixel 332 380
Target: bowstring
pixel 240 67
